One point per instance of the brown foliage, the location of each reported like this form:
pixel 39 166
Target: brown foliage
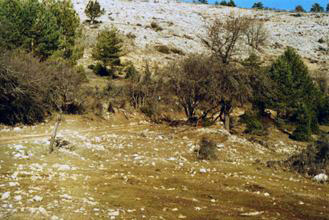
pixel 201 84
pixel 31 89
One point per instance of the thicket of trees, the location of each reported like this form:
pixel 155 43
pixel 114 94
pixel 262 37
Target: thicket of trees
pixel 38 73
pixel 46 29
pixel 39 44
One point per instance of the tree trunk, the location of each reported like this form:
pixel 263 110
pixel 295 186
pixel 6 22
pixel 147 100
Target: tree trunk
pixel 53 137
pixel 227 122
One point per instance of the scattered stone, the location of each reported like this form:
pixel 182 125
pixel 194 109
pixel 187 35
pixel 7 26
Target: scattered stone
pixel 5 195
pixel 37 198
pixel 256 213
pixel 18 198
pixel 203 170
pixel 321 178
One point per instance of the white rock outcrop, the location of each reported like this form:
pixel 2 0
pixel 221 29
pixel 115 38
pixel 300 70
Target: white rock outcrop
pixel 321 178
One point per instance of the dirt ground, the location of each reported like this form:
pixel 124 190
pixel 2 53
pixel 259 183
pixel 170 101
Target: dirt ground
pixel 120 169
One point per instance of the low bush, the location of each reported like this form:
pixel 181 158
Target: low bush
pixel 155 26
pixel 150 110
pixel 207 150
pixel 313 160
pixel 31 90
pixel 101 70
pixel 253 123
pixel 131 72
pixel 163 49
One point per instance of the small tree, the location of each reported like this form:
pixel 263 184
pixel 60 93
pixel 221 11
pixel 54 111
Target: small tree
pixel 224 36
pixel 327 9
pixel 190 81
pixel 233 90
pixel 294 82
pixel 231 3
pixel 263 88
pixel 258 5
pixel 223 3
pixel 256 34
pixel 93 10
pixel 203 1
pixel 316 7
pixel 108 48
pixel 299 8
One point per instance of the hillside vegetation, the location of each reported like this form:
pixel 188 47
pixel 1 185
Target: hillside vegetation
pixel 128 110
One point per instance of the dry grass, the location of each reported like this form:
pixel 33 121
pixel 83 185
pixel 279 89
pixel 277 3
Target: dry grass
pixel 155 185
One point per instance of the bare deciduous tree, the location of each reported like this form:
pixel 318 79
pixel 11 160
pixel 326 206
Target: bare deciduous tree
pixel 214 89
pixel 224 36
pixel 189 81
pixel 256 34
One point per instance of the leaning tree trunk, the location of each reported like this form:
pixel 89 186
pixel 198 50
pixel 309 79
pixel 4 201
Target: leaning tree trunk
pixel 53 137
pixel 227 121
pixel 226 110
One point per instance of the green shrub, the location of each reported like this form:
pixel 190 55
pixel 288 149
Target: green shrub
pixel 101 70
pixel 131 72
pixel 302 133
pixel 254 125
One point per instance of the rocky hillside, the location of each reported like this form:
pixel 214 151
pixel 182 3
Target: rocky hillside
pixel 182 27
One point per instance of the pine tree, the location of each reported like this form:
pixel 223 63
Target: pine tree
pixel 295 85
pixel 316 7
pixel 41 27
pixel 93 10
pixel 303 129
pixel 223 3
pixel 231 3
pixel 258 5
pixel 327 9
pixel 108 48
